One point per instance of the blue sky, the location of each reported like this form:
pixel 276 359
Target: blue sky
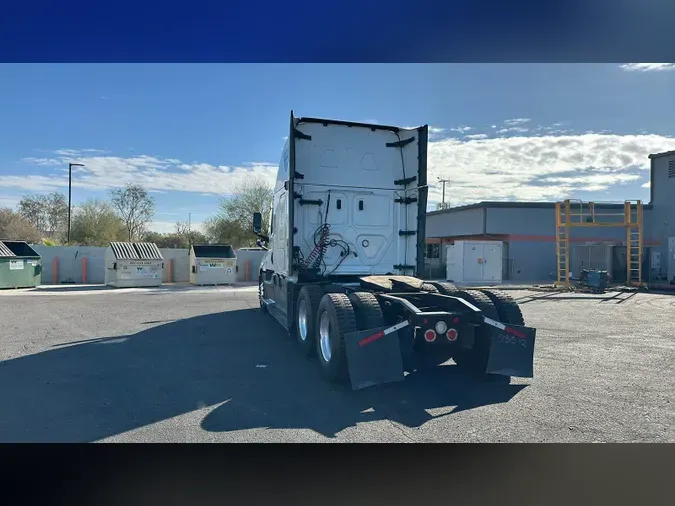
pixel 190 132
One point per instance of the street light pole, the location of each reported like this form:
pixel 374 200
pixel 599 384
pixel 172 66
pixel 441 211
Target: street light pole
pixel 70 188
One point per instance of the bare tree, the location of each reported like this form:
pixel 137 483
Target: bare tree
pixel 135 207
pixel 47 213
pixel 182 228
pixel 189 234
pixel 56 213
pixel 32 208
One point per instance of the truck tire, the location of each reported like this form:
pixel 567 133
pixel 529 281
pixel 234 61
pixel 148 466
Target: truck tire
pixel 428 287
pixel 507 308
pixel 367 310
pixel 306 308
pixel 335 318
pixel 476 359
pixel 444 287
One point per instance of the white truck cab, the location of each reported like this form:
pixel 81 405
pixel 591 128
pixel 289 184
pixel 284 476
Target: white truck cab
pixel 347 233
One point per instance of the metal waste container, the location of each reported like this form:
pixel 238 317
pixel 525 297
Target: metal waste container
pixel 133 265
pixel 20 265
pixel 213 264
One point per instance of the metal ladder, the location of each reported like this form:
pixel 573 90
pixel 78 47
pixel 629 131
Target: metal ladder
pixel 633 244
pixel 562 240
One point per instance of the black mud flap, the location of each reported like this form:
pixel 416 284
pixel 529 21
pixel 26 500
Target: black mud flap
pixel 511 350
pixel 374 356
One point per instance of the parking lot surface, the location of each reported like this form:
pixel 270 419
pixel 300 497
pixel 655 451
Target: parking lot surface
pixel 207 366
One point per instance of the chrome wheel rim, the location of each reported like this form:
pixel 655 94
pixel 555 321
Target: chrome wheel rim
pixel 260 293
pixel 302 320
pixel 324 337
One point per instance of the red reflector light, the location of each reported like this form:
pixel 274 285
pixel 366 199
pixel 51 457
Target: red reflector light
pixel 451 334
pixel 430 336
pixel 455 320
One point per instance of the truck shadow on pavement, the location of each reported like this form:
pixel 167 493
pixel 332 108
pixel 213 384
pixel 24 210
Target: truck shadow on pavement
pixel 238 366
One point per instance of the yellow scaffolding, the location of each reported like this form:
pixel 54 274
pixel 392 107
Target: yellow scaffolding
pixel 576 214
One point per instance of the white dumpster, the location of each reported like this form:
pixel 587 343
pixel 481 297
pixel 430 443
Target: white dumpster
pixel 213 264
pixel 133 265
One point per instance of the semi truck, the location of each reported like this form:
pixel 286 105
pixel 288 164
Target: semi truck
pixel 343 271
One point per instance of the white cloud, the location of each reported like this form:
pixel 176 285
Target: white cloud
pixel 516 121
pixel 533 167
pixel 648 184
pixel 647 67
pixel 593 182
pixel 462 129
pixel 518 130
pixel 44 162
pixel 539 168
pixel 154 173
pixel 77 152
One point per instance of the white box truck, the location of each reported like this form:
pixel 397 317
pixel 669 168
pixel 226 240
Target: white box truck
pixel 345 252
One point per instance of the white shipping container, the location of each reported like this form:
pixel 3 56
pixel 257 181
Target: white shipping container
pixel 474 262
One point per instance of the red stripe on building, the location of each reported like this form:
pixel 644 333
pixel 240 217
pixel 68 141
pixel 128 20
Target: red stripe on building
pixel 531 238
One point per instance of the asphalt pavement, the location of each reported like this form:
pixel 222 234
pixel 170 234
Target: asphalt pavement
pixel 206 365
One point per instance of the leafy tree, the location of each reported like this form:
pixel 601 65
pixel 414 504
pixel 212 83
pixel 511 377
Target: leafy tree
pixel 233 223
pixel 95 223
pixel 15 227
pixel 223 231
pixel 135 207
pixel 254 195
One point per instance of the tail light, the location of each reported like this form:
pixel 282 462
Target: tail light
pixel 451 334
pixel 430 336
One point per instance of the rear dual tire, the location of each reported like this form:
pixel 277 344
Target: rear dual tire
pixel 306 328
pixel 506 307
pixel 335 318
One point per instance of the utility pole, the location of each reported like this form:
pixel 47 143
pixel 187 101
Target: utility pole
pixel 189 234
pixel 70 188
pixel 443 181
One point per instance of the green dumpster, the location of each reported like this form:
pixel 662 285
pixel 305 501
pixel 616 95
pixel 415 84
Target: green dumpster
pixel 20 265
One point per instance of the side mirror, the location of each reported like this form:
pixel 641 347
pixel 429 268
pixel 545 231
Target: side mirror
pixel 257 223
